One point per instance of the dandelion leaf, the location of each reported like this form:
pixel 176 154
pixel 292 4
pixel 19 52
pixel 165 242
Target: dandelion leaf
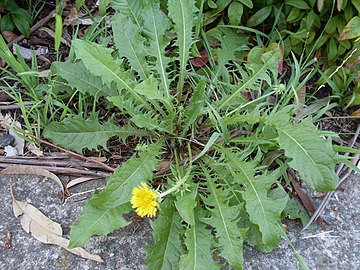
pixel 165 253
pixel 129 9
pixel 263 209
pixel 130 44
pixel 121 183
pixel 311 155
pixel 76 133
pixel 224 218
pixel 150 89
pixel 198 241
pixel 155 25
pixel 182 14
pixel 97 221
pixel 100 62
pixel 80 78
pixel 196 105
pixel 186 203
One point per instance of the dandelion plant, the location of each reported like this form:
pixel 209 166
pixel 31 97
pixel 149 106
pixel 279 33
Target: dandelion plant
pixel 215 142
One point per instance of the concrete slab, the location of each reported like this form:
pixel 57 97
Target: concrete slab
pixel 338 247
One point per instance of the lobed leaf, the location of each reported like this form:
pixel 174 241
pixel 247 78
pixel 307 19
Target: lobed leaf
pixel 224 218
pixel 130 44
pixel 231 42
pixel 119 186
pixel 182 14
pixel 165 253
pixel 155 25
pixel 80 78
pixel 97 221
pixel 126 105
pixel 186 203
pixel 311 155
pixel 252 80
pixel 99 61
pixel 129 9
pixel 198 243
pixel 150 89
pixel 76 133
pixel 149 122
pixel 263 210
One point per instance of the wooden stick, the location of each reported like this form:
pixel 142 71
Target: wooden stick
pixel 40 161
pixel 64 170
pixel 107 167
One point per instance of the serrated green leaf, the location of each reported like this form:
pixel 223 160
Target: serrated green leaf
pixel 263 210
pixel 80 78
pixel 182 12
pixel 258 74
pixel 126 105
pixel 155 25
pixel 198 243
pixel 165 253
pixel 130 44
pixel 231 42
pixel 99 61
pixel 97 221
pixel 150 89
pixel 224 219
pixel 129 8
pixel 76 133
pixel 186 203
pixel 196 106
pixel 120 185
pixel 145 120
pixel 294 210
pixel 312 156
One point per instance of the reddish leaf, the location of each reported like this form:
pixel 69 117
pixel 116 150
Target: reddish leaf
pixel 200 61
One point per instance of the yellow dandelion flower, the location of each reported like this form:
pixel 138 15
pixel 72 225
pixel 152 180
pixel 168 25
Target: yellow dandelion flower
pixel 143 200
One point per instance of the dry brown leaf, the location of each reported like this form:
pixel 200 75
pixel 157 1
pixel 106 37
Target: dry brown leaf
pixel 44 229
pixel 34 149
pixel 2 64
pixel 100 159
pixel 356 113
pixel 52 34
pixel 79 180
pixel 9 36
pixel 19 169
